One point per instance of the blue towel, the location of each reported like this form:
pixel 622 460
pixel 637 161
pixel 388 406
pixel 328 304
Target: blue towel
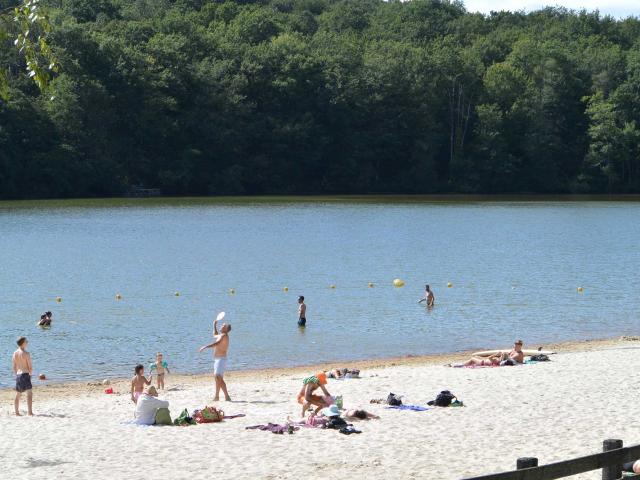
pixel 415 408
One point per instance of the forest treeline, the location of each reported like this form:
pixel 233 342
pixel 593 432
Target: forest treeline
pixel 201 97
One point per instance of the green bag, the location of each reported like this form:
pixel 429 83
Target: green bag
pixel 163 417
pixel 184 419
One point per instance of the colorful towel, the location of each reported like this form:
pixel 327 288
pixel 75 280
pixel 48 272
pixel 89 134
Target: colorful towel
pixel 414 408
pixel 274 428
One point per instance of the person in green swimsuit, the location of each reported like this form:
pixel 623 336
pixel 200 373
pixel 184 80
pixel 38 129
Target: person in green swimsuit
pixel 306 397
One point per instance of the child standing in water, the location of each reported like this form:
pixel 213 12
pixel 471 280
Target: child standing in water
pixel 159 366
pixel 302 312
pixel 138 383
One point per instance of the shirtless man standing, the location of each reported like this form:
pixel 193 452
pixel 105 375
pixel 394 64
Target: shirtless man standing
pixel 302 312
pixel 23 369
pixel 220 346
pixel 429 297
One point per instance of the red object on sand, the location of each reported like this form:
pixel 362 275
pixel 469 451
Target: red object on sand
pixel 108 390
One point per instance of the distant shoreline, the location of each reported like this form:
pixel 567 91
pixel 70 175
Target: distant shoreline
pixel 338 198
pixel 54 388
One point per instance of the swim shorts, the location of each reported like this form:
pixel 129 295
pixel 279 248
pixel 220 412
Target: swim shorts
pixel 302 322
pixel 23 382
pixel 219 366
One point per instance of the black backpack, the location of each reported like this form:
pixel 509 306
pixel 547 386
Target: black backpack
pixel 541 357
pixel 394 400
pixel 444 399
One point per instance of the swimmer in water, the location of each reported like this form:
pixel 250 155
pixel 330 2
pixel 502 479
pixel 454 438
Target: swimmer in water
pixel 429 297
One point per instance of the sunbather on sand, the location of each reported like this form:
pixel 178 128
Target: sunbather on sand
pixel 492 361
pixel 343 373
pixel 360 415
pixel 514 357
pixel 306 397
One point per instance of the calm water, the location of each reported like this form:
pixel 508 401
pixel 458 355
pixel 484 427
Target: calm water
pixel 514 267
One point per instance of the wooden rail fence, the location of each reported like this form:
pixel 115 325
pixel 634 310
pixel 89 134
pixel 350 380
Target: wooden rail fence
pixel 610 461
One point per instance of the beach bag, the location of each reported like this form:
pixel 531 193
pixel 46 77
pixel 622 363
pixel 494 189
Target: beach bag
pixel 394 400
pixel 315 421
pixel 163 417
pixel 541 357
pixel 184 419
pixel 444 399
pixel 208 415
pixel 336 423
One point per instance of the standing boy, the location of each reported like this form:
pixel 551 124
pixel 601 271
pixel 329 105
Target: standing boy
pixel 220 346
pixel 302 312
pixel 23 369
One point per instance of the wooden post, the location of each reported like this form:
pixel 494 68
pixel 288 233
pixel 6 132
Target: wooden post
pixel 526 462
pixel 612 472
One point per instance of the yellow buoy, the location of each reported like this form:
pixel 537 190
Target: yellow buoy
pixel 177 294
pixel 285 289
pixel 58 299
pixel 332 286
pixel 398 283
pixel 118 296
pixel 580 289
pixel 371 285
pixel 232 291
pixel 449 285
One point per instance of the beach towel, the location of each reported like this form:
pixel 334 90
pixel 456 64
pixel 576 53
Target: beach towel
pixel 274 428
pixel 229 417
pixel 414 408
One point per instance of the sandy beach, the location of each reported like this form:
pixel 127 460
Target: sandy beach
pixel 554 411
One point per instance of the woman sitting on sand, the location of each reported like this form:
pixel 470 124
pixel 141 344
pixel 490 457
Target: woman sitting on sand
pixel 306 397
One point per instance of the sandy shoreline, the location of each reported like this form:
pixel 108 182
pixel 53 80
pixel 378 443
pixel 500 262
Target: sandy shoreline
pixel 48 389
pixel 553 410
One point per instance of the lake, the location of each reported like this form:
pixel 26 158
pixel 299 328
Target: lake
pixel 514 266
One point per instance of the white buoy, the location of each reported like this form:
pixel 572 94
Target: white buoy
pixel 398 283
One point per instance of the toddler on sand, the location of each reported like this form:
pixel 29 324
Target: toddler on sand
pixel 159 366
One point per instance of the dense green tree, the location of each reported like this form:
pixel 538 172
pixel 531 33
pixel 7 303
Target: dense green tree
pixel 215 97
